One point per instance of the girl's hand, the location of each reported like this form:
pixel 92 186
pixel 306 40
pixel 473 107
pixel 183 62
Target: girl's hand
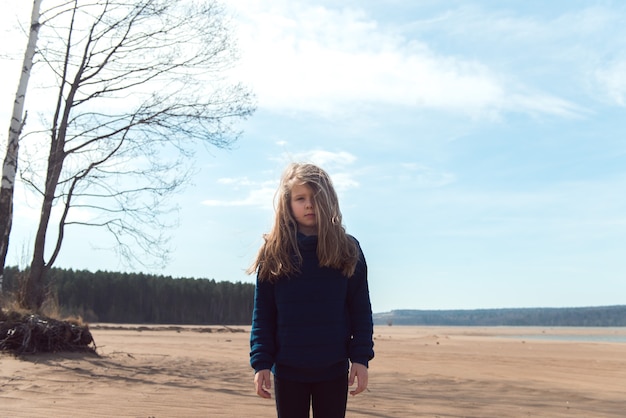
pixel 360 372
pixel 262 383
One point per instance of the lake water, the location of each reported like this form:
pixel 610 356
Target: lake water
pixel 591 338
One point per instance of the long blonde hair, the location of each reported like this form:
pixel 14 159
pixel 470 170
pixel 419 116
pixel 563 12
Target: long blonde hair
pixel 335 248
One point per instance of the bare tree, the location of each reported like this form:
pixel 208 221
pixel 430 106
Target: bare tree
pixel 18 119
pixel 139 84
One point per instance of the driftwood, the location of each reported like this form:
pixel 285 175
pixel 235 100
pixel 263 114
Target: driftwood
pixel 30 334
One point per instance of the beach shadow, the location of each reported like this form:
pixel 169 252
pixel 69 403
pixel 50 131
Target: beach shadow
pixel 129 369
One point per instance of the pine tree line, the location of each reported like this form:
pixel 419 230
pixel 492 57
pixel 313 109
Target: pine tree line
pixel 145 299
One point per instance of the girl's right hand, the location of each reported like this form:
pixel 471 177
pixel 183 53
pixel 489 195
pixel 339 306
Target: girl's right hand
pixel 263 383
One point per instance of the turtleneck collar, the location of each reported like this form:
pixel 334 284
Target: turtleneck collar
pixel 307 242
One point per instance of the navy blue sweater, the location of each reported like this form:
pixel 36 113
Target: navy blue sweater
pixel 307 327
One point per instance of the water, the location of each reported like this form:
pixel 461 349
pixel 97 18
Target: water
pixel 587 338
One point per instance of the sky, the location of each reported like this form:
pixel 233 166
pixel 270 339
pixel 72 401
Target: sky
pixel 478 148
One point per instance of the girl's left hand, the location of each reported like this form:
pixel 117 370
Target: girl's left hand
pixel 358 371
pixel 263 383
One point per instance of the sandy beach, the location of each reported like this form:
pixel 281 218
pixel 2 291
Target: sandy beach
pixel 191 371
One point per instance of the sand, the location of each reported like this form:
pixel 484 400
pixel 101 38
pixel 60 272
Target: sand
pixel 418 372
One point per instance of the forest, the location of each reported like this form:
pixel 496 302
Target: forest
pixel 142 298
pixel 139 298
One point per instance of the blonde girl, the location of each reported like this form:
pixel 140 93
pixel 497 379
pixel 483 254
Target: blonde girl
pixel 312 319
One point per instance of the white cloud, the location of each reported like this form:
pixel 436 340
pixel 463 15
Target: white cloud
pixel 260 197
pixel 324 159
pixel 544 58
pixel 344 181
pixel 333 61
pixel 335 163
pixel 419 175
pixel 236 181
pixel 541 103
pixel 612 81
pixel 260 193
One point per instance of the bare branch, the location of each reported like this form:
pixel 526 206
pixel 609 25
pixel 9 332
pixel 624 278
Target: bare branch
pixel 139 85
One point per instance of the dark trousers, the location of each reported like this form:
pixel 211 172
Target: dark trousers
pixel 294 399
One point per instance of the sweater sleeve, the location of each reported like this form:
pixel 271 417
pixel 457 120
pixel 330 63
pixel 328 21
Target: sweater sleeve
pixel 263 333
pixel 360 308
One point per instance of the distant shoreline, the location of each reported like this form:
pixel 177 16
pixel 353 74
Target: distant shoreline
pixel 596 316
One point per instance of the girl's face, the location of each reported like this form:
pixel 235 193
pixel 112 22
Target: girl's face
pixel 303 208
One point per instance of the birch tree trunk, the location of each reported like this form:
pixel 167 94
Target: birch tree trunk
pixel 18 118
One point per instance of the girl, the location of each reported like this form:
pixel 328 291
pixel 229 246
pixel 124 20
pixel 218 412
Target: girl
pixel 312 315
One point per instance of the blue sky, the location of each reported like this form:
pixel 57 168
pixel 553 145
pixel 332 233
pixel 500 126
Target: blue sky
pixel 478 149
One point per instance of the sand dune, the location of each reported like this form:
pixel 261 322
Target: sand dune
pixel 418 372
